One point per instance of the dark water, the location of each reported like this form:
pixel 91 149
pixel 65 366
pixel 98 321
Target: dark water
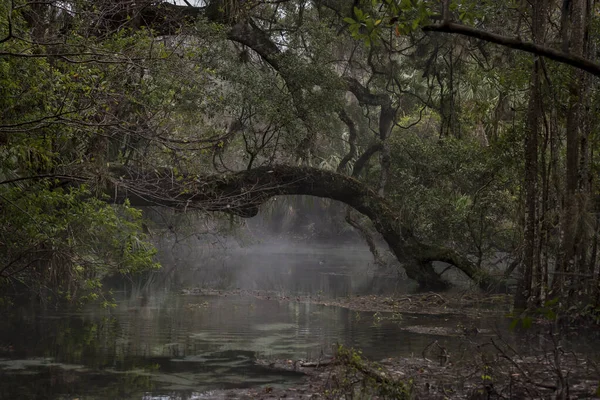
pixel 178 344
pixel 160 344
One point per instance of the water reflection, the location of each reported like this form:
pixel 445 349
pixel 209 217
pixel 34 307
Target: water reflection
pixel 159 344
pixel 175 345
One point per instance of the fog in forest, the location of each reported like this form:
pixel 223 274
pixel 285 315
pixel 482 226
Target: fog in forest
pixel 298 245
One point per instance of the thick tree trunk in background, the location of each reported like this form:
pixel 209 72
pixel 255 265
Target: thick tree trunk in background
pixel 571 239
pixel 588 245
pixel 526 289
pixel 529 287
pixel 241 193
pixel 544 225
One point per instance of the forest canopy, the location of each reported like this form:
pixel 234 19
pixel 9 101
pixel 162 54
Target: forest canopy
pixel 458 131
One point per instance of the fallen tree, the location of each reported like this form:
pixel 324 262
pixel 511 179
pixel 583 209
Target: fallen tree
pixel 242 193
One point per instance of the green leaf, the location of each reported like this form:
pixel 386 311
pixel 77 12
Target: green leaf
pixel 406 5
pixel 359 14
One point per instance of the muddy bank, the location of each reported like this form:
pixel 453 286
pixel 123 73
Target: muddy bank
pixel 492 371
pixel 468 304
pixel 523 378
pixel 484 366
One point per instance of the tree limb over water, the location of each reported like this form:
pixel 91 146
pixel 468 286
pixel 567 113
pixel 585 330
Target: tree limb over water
pixel 242 193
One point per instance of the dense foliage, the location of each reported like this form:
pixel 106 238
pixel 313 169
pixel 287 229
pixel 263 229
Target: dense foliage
pixel 485 154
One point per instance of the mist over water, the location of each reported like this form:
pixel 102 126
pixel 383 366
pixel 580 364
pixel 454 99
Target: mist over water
pixel 160 343
pixel 297 245
pixel 302 270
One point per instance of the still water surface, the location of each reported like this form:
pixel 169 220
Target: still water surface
pixel 161 344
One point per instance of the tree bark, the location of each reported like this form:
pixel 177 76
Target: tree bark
pixel 352 136
pixel 364 158
pixel 572 207
pixel 529 287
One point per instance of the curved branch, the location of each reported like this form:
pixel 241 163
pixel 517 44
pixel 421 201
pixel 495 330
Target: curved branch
pixel 352 135
pixel 364 158
pixel 250 35
pixel 364 95
pixel 518 44
pixel 242 193
pixel 366 234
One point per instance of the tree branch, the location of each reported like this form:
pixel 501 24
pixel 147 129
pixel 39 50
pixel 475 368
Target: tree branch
pixel 352 135
pixel 364 158
pixel 241 193
pixel 518 44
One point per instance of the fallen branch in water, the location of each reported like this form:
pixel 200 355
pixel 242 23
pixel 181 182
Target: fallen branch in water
pixel 352 359
pixel 317 364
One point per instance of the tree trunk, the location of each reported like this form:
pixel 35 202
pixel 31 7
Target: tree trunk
pixel 528 289
pixel 571 216
pixel 241 193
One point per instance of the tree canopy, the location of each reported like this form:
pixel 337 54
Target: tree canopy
pixel 419 115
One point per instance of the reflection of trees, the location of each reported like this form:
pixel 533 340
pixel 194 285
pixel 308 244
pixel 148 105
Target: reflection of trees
pixel 56 382
pixel 80 350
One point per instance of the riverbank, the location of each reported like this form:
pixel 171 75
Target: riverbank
pixel 484 366
pixel 475 376
pixel 464 303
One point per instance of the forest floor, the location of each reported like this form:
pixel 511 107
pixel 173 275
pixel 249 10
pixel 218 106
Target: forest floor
pixel 423 378
pixel 488 367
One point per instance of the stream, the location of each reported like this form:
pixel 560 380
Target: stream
pixel 160 343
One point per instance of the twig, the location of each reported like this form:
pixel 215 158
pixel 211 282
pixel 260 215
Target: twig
pixel 524 373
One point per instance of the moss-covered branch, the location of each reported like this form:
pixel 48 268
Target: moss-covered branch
pixel 242 193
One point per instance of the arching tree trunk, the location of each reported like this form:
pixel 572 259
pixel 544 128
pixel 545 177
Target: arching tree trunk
pixel 241 193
